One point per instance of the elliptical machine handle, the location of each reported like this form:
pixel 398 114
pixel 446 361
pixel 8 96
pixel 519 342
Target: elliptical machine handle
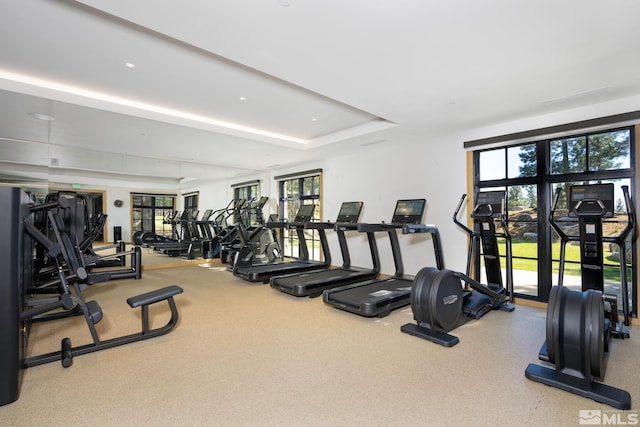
pixel 552 221
pixel 631 212
pixel 455 216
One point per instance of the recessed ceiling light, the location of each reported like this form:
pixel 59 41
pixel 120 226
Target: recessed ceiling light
pixel 130 65
pixel 314 119
pixel 41 116
pixel 242 98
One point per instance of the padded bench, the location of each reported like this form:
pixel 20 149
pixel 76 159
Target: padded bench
pixel 152 297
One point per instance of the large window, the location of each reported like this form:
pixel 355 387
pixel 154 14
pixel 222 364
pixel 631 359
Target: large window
pixel 591 153
pixel 150 212
pixel 190 203
pixel 531 173
pixel 294 191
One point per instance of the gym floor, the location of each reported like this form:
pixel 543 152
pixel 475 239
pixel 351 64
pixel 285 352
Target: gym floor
pixel 244 354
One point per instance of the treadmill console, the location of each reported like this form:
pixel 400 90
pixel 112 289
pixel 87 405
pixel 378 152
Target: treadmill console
pixel 591 200
pixel 349 212
pixel 409 211
pixel 305 213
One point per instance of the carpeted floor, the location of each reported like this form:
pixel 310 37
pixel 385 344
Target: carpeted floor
pixel 247 355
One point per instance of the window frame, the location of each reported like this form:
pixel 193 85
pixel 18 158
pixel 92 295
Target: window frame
pixel 544 180
pixel 151 206
pixel 287 200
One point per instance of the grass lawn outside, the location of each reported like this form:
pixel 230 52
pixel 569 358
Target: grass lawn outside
pixel 523 249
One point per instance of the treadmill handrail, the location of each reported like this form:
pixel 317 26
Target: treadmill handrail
pixel 344 226
pixel 435 236
pixel 383 226
pixel 276 224
pixel 319 225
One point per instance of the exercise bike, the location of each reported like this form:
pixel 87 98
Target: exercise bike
pixel 442 300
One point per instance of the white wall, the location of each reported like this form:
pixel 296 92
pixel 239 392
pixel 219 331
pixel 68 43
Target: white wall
pixel 121 216
pixel 379 176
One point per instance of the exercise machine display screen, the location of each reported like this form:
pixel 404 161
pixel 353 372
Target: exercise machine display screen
pixel 409 211
pixel 489 203
pixel 305 213
pixel 349 212
pixel 591 200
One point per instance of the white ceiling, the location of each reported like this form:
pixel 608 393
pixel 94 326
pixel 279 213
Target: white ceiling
pixel 319 78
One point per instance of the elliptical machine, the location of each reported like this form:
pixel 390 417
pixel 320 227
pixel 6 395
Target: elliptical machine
pixel 579 324
pixel 442 300
pixel 590 204
pixel 256 244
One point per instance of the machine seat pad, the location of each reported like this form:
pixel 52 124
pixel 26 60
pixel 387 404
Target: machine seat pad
pixel 154 296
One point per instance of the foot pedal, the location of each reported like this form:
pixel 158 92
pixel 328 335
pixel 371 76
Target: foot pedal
pixel 95 312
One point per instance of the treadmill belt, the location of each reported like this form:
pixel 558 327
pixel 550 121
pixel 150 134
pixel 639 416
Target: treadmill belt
pixel 313 283
pixel 263 272
pixel 268 268
pixel 320 276
pixel 378 297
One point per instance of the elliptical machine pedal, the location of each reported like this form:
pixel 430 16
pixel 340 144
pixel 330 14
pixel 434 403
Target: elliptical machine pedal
pixel 617 329
pixel 440 304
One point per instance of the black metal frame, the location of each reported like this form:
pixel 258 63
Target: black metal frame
pixel 544 181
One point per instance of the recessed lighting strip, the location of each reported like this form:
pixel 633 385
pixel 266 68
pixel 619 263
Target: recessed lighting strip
pixel 99 96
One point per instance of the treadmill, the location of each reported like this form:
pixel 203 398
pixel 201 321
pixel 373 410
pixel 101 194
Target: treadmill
pixel 379 296
pixel 264 272
pixel 313 283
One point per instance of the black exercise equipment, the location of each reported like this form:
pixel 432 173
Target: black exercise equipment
pixel 313 283
pixel 70 299
pixel 54 226
pixel 255 243
pixel 442 300
pixel 575 345
pixel 219 231
pixel 590 204
pixel 172 218
pixel 579 324
pixel 19 306
pixel 378 297
pixel 231 235
pixel 15 264
pixel 264 272
pixel 191 243
pixel 83 229
pixel 483 239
